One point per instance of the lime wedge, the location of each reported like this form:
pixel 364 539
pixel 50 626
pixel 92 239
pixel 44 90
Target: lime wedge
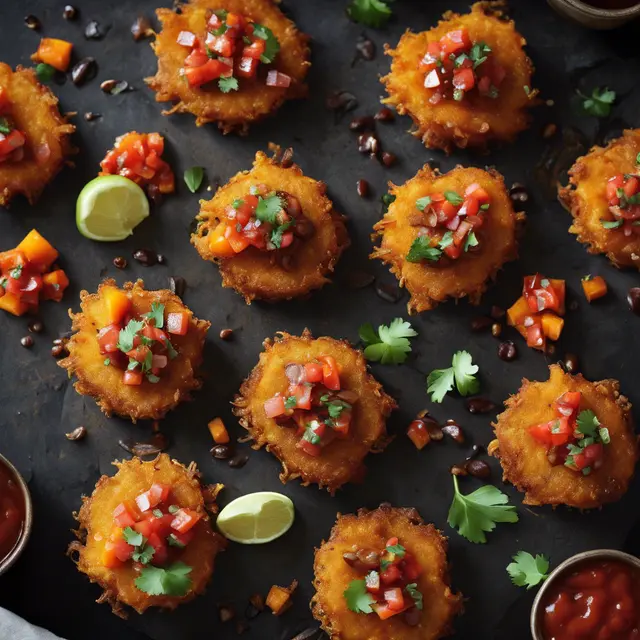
pixel 257 517
pixel 109 208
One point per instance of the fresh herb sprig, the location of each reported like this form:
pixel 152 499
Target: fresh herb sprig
pixel 527 571
pixel 372 13
pixel 461 372
pixel 389 345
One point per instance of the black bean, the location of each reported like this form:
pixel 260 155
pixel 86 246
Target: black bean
pixel 90 115
pixel 141 28
pixel 222 451
pixel 362 187
pixel 120 262
pixel 58 351
pixel 358 279
pixel 341 102
pixel 481 323
pixel 496 312
pixel 177 285
pixel 36 326
pixel 478 468
pixel 145 257
pixel 633 298
pixel 475 450
pixel 239 461
pixel 108 85
pixel 32 22
pixel 160 258
pixel 366 48
pixel 480 405
pixel 453 430
pixel 226 334
pixel 388 159
pixel 368 143
pixel 388 291
pixel 27 342
pixel 458 470
pixel 83 71
pixel 362 123
pixel 496 329
pixel 433 428
pixel 384 115
pixel 507 351
pixel 70 12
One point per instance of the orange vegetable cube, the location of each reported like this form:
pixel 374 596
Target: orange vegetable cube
pixel 54 52
pixel 517 312
pixel 117 304
pixel 279 598
pixel 38 250
pixel 109 558
pixel 219 245
pixel 11 259
pixel 218 431
pixel 54 285
pixel 594 288
pixel 560 288
pixel 11 302
pixel 552 325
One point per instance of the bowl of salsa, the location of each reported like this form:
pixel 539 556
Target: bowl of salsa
pixel 15 514
pixel 593 595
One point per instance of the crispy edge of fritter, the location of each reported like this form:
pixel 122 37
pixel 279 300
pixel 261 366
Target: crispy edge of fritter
pixel 294 282
pixel 291 471
pixel 620 251
pixel 456 131
pixel 608 389
pixel 207 505
pixel 109 402
pixel 229 110
pixel 423 294
pixel 377 520
pixel 40 107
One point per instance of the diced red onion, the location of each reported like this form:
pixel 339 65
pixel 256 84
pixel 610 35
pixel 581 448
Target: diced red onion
pixel 277 79
pixel 158 362
pixel 295 373
pixel 186 38
pixel 453 223
pixel 432 79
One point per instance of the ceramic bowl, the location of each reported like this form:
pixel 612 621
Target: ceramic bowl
pixel 594 17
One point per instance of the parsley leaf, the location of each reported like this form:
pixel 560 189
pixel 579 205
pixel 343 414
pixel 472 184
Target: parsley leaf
pixel 446 240
pixel 423 203
pixel 439 383
pixel 132 537
pixel 16 272
pixel 291 402
pixel 470 241
pixel 272 46
pixel 278 232
pixel 477 512
pixel 373 13
pixel 412 590
pixel 462 371
pixel 126 335
pixel 599 104
pixel 193 178
pixel 170 349
pixel 228 84
pixel 44 72
pixel 173 541
pixel 143 555
pixel 172 581
pixel 390 345
pixel 587 423
pixel 453 197
pixel 421 249
pixel 268 208
pixel 387 199
pixel 397 550
pixel 528 571
pixel 359 600
pixel 156 314
pixel 611 224
pixel 336 407
pixel 479 53
pixel 107 362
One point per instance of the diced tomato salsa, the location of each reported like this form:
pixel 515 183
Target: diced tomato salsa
pixel 138 156
pixel 538 313
pixel 574 438
pixel 455 65
pixel 623 198
pixel 149 530
pixel 12 139
pixel 264 219
pixel 314 403
pixel 28 274
pixel 449 223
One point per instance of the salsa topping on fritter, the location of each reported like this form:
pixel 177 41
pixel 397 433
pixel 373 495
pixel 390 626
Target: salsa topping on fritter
pixel 389 585
pixel 267 220
pixel 537 314
pixel 140 347
pixel 448 224
pixel 574 438
pixel 623 197
pixel 12 140
pixel 455 65
pixel 137 156
pixel 232 47
pixel 315 403
pixel 150 531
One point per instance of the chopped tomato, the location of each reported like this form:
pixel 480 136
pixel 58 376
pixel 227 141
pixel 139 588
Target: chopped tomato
pixel 126 514
pixel 255 49
pixel 161 553
pixel 567 404
pixel 580 461
pixel 210 70
pixel 330 373
pixel 561 431
pixel 593 453
pixel 108 338
pixel 238 241
pixel 109 557
pixel 454 41
pixel 535 336
pixel 384 611
pixel 613 184
pixel 152 497
pixel 133 378
pixel 464 79
pixel 185 519
pixel 144 527
pixel 391 574
pixel 178 323
pixel 313 372
pixel 411 568
pixel 302 394
pixel 278 79
pixel 310 448
pixel 394 598
pixel 247 67
pixel 274 407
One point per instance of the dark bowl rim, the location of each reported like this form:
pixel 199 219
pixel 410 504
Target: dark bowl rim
pixel 598 12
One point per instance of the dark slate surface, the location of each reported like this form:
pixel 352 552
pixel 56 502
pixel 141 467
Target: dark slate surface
pixel 38 405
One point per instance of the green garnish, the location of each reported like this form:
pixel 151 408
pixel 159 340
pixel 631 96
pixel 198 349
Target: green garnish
pixel 127 335
pixel 423 203
pixel 387 199
pixel 462 371
pixel 412 590
pixel 479 53
pixel 173 541
pixel 373 13
pixel 359 600
pixel 390 345
pixel 397 550
pixel 193 178
pixel 156 314
pixel 421 249
pixel 454 197
pixel 4 126
pixel 268 208
pixel 107 362
pixel 470 241
pixel 132 537
pixel 291 402
pixel 278 232
pixel 173 508
pixel 172 581
pixel 525 570
pixel 44 72
pixel 228 84
pixel 599 104
pixel 272 46
pixel 16 272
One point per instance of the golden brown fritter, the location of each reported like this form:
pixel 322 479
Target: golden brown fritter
pixel 430 284
pixel 586 199
pixel 342 459
pixel 524 461
pixel 477 120
pixel 35 112
pixel 96 524
pixel 265 275
pixel 104 383
pixel 371 530
pixel 236 110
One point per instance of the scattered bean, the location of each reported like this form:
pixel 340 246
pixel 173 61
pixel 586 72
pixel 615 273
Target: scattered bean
pixel 36 326
pixel 226 334
pixel 177 285
pixel 90 115
pixel 368 143
pixel 507 351
pixel 481 323
pixel 222 452
pixel 226 613
pixel 480 405
pixel 70 13
pixel 141 28
pixel 362 187
pixel 83 71
pixel 453 430
pixel 120 262
pixel 32 22
pixel 496 329
pixel 571 363
pixel 388 159
pixel 26 342
pixel 385 115
pixel 239 461
pixel 92 31
pixel 77 434
pixel 478 468
pixel 366 48
pixel 145 257
pixel 362 123
pixel 633 298
pixel 496 312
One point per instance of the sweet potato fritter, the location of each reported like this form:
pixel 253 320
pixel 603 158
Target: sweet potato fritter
pixel 285 273
pixel 34 111
pixel 478 119
pixel 524 461
pixel 586 199
pixel 342 459
pixel 371 530
pixel 428 283
pixel 96 523
pixel 104 383
pixel 236 110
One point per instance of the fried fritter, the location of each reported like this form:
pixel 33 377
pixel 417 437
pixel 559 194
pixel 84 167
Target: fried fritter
pixel 34 110
pixel 524 461
pixel 286 273
pixel 96 523
pixel 105 384
pixel 478 119
pixel 371 530
pixel 430 283
pixel 586 199
pixel 342 459
pixel 236 110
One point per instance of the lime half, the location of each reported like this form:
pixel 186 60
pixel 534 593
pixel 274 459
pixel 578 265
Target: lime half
pixel 109 208
pixel 257 517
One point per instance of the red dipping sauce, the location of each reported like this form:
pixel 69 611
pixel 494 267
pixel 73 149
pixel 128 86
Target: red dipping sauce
pixel 12 511
pixel 597 600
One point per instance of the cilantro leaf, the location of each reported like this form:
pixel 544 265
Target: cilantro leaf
pixel 132 537
pixel 412 590
pixel 291 402
pixel 44 72
pixel 387 199
pixel 439 383
pixel 170 349
pixel 373 13
pixel 268 208
pixel 359 600
pixel 464 370
pixel 278 232
pixel 143 555
pixel 5 127
pixel 454 197
pixel 126 335
pixel 193 178
pixel 228 84
pixel 603 432
pixel 174 541
pixel 423 203
pixel 525 570
pixel 172 581
pixel 477 512
pixel 397 550
pixel 272 46
pixel 599 103
pixel 470 241
pixel 611 224
pixel 587 423
pixel 421 249
pixel 390 345
pixel 446 240
pixel 156 314
pixel 479 53
pixel 336 407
